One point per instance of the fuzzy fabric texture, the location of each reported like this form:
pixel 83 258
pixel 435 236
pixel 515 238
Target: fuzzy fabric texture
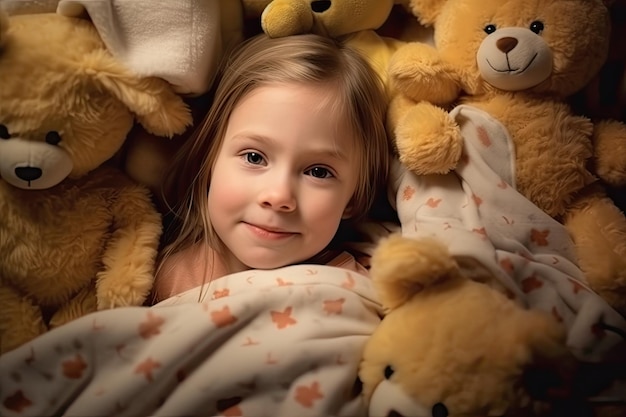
pixel 180 41
pixel 76 235
pixel 553 50
pixel 447 345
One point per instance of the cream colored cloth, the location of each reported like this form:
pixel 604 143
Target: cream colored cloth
pixel 177 40
pixel 478 213
pixel 275 343
pixel 180 41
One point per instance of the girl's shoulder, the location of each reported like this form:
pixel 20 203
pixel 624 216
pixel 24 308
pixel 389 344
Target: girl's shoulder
pixel 187 269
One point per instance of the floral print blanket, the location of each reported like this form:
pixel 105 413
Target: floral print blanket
pixel 257 343
pixel 487 224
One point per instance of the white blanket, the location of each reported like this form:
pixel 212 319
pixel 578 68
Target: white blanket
pixel 180 41
pixel 264 343
pixel 478 213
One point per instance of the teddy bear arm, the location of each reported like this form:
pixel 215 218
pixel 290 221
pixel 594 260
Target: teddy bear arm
pixel 427 139
pixel 598 229
pixel 81 304
pixel 20 320
pixel 609 138
pixel 417 71
pixel 377 50
pixel 129 258
pixel 284 18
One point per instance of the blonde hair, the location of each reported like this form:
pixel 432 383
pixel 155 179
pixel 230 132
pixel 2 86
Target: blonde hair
pixel 307 59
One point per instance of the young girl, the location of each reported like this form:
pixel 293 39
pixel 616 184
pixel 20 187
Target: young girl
pixel 293 146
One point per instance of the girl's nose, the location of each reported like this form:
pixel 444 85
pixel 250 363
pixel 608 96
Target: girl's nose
pixel 278 195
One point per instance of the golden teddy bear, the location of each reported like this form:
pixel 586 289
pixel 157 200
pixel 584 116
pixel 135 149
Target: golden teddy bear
pixel 451 346
pixel 76 234
pixel 519 62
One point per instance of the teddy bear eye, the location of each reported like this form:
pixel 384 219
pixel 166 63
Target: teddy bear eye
pixel 4 132
pixel 489 29
pixel 320 6
pixel 388 371
pixel 536 27
pixel 53 137
pixel 439 410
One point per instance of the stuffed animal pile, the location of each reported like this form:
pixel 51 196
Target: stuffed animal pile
pixel 76 234
pixel 501 197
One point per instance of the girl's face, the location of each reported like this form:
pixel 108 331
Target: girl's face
pixel 283 178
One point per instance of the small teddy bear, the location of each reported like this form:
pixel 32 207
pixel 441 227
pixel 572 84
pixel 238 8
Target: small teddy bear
pixel 76 234
pixel 448 345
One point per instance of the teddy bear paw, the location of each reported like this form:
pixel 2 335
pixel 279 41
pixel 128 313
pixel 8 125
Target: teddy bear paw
pixel 130 294
pixel 428 140
pixel 610 149
pixel 418 71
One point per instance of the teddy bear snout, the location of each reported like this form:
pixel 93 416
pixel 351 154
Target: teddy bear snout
pixel 33 165
pixel 514 59
pixel 320 6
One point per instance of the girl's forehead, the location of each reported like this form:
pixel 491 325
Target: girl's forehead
pixel 308 111
pixel 323 98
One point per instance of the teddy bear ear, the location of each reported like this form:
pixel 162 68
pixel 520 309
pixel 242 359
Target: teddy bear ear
pixel 426 11
pixel 153 101
pixel 402 267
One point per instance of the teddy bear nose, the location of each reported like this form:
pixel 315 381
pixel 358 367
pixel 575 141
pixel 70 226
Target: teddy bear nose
pixel 506 44
pixel 320 6
pixel 28 173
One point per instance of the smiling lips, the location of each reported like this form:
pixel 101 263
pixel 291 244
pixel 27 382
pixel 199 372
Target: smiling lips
pixel 268 232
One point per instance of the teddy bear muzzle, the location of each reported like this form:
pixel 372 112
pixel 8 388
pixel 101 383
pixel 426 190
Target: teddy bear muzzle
pixel 514 58
pixel 390 400
pixel 32 165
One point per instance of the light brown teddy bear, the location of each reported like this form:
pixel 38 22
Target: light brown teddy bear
pixel 512 65
pixel 450 346
pixel 355 21
pixel 76 234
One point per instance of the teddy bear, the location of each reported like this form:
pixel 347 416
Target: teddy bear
pixel 76 235
pixel 452 346
pixel 182 44
pixel 512 67
pixel 377 28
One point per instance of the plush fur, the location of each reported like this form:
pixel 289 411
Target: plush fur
pixel 448 345
pixel 76 235
pixel 560 157
pixel 355 21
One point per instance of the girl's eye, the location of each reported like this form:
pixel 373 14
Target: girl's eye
pixel 319 172
pixel 254 158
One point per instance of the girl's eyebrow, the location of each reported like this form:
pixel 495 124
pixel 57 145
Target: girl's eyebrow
pixel 326 152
